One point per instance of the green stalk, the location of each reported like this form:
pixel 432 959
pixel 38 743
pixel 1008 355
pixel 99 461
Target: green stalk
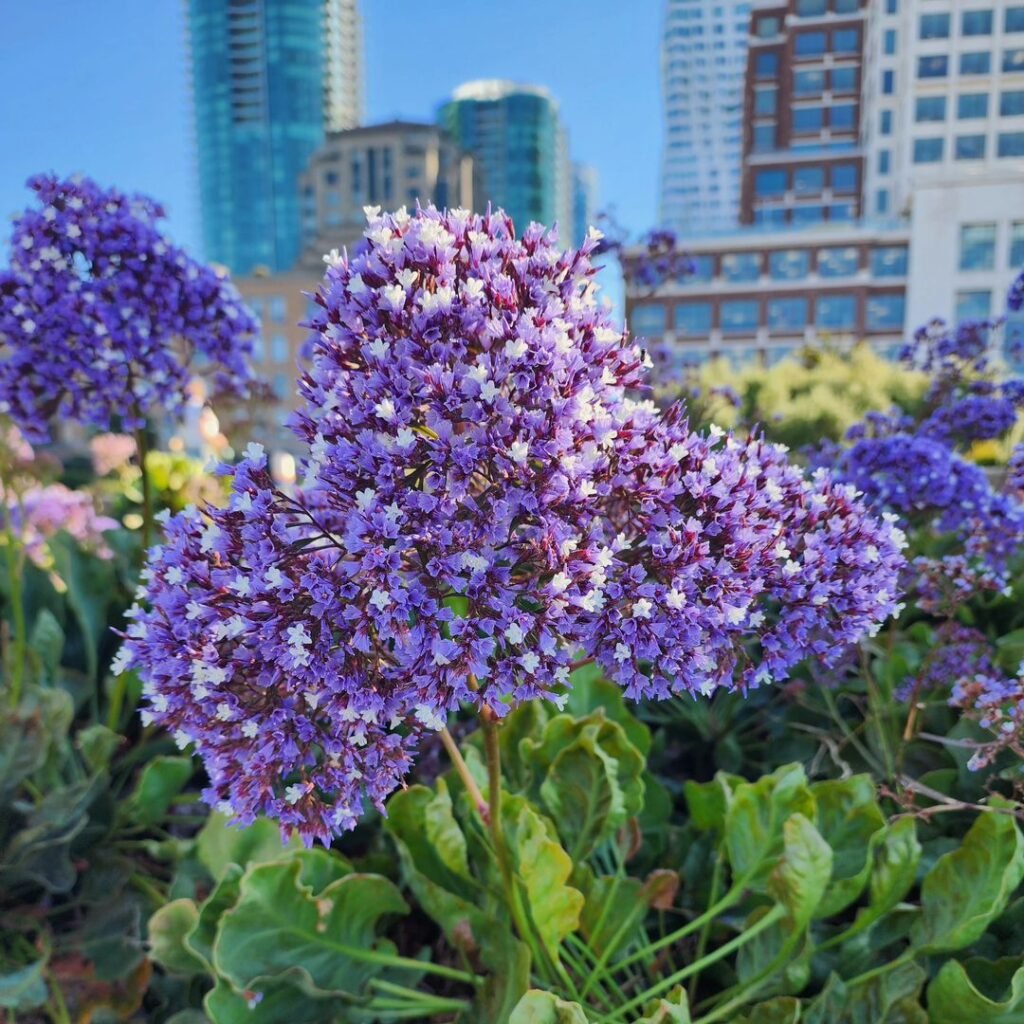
pixel 19 651
pixel 702 940
pixel 141 451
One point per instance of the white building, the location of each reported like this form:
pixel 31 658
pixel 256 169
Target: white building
pixel 943 129
pixel 703 66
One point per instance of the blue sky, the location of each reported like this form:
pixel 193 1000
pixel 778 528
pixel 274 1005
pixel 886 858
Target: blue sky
pixel 107 93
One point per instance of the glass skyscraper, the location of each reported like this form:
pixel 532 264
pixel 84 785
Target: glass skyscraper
pixel 703 68
pixel 270 78
pixel 515 134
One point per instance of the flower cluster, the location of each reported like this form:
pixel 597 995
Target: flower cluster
pixel 956 652
pixel 40 512
pixel 102 317
pixel 483 502
pixel 997 702
pixel 111 452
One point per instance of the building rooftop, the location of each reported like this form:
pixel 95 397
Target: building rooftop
pixel 491 89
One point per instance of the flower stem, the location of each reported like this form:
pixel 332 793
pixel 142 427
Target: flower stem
pixel 19 646
pixel 459 763
pixel 141 451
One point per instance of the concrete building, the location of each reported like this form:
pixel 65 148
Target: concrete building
pixel 802 159
pixel 399 163
pixel 763 294
pixel 703 62
pixel 516 136
pixel 269 79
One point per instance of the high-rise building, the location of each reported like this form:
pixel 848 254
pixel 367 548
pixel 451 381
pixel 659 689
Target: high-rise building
pixel 802 160
pixel 943 128
pixel 399 163
pixel 703 61
pixel 515 134
pixel 584 201
pixel 270 78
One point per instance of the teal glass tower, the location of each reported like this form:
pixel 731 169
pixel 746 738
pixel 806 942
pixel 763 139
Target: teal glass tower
pixel 270 78
pixel 516 137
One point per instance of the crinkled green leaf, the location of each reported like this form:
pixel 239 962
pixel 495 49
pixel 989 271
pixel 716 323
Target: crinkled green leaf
pixel 98 745
pixel 28 733
pixel 590 691
pixel 168 930
pixel 223 897
pixel 893 871
pixel 46 644
pixel 970 886
pixel 977 991
pixel 783 1010
pixel 709 801
pixel 273 1001
pixel 220 844
pixel 672 1009
pixel 888 998
pixel 543 1008
pixel 162 779
pixel 801 877
pixel 23 988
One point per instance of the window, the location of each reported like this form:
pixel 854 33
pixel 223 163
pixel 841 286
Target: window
pixel 787 314
pixel 701 270
pixel 1013 60
pixel 741 266
pixel 841 212
pixel 928 151
pixel 279 348
pixel 889 261
pixel 973 305
pixel 808 83
pixel 766 65
pixel 838 312
pixel 1011 144
pixel 844 178
pixel 280 386
pixel 810 8
pixel 976 23
pixel 808 214
pixel 1013 20
pixel 844 79
pixel 740 316
pixel 882 200
pixel 842 117
pixel 1017 244
pixel 975 63
pixel 934 26
pixel 278 309
pixel 810 44
pixel 771 215
pixel 838 262
pixel 884 161
pixel 930 108
pixel 936 66
pixel 649 319
pixel 1011 102
pixel 972 105
pixel 808 119
pixel 771 182
pixel 767 28
pixel 808 180
pixel 892 6
pixel 888 82
pixel 765 101
pixel 970 147
pixel 846 6
pixel 977 247
pixel 845 40
pixel 889 44
pixel 258 354
pixel 693 317
pixel 885 123
pixel 885 312
pixel 764 137
pixel 794 264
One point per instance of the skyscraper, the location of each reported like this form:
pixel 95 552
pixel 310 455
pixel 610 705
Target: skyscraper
pixel 270 78
pixel 703 62
pixel 584 201
pixel 515 134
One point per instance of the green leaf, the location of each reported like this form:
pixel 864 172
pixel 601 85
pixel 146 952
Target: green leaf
pixel 220 844
pixel 162 779
pixel 977 991
pixel 783 1010
pixel 98 745
pixel 276 1001
pixel 672 1009
pixel 508 976
pixel 709 801
pixel 850 821
pixel 46 642
pixel 888 998
pixel 893 871
pixel 525 723
pixel 23 988
pixel 28 733
pixel 802 875
pixel 224 896
pixel 543 1008
pixel 755 818
pixel 169 929
pixel 589 691
pixel 90 582
pixel 970 886
pixel 328 943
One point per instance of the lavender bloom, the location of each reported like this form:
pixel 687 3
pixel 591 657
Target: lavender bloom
pixel 1015 296
pixel 1015 470
pixel 974 418
pixel 481 502
pixel 997 703
pixel 956 653
pixel 40 512
pixel 111 452
pixel 100 316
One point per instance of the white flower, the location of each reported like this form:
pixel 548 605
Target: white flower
pixel 594 234
pixel 560 582
pixel 429 717
pixel 274 578
pixel 333 258
pixel 364 498
pixel 519 451
pixel 210 533
pixel 406 438
pixel 735 615
pixel 122 661
pixel 642 608
pixel 378 348
pixel 515 349
pixel 475 562
pixel 488 391
pixel 514 633
pixel 530 662
pixel 250 729
pixel 241 586
pixel 394 296
pixel 255 452
pixel 174 576
pixel 380 599
pixel 193 610
pixel 28 326
pixel 622 652
pixel 385 409
pixel 293 794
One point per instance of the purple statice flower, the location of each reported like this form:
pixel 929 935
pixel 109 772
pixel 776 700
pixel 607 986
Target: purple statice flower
pixel 1015 296
pixel 996 702
pixel 1015 470
pixel 942 585
pixel 957 652
pixel 101 317
pixel 39 512
pixel 973 418
pixel 482 502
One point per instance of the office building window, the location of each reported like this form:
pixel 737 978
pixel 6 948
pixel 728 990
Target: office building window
pixel 970 147
pixel 892 6
pixel 649 319
pixel 1013 19
pixel 841 212
pixel 741 266
pixel 934 26
pixel 1017 244
pixel 884 161
pixel 787 314
pixel 808 119
pixel 835 312
pixel 935 66
pixel 765 101
pixel 885 123
pixel 888 82
pixel 808 83
pixel 808 180
pixel 1011 103
pixel 1013 61
pixel 844 80
pixel 882 200
pixel 808 214
pixel 279 348
pixel 792 264
pixel 842 117
pixel 844 178
pixel 838 262
pixel 767 28
pixel 810 44
pixel 972 105
pixel 928 151
pixel 770 182
pixel 693 318
pixel 976 23
pixel 740 316
pixel 764 137
pixel 278 309
pixel 975 63
pixel 766 65
pixel 280 386
pixel 811 8
pixel 889 261
pixel 885 312
pixel 846 6
pixel 1011 144
pixel 889 43
pixel 973 305
pixel 258 353
pixel 770 215
pixel 701 270
pixel 845 40
pixel 930 108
